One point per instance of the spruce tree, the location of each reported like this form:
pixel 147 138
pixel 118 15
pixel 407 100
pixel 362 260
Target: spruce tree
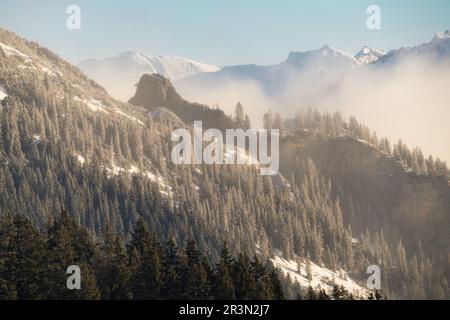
pixel 145 262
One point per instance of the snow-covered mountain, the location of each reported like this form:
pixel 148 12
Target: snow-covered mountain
pixel 437 49
pixel 119 74
pixel 303 78
pixel 368 55
pixel 314 65
pixel 325 59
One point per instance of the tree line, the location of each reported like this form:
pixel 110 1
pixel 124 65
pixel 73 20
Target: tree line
pixel 33 266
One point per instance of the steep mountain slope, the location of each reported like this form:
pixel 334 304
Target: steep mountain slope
pixel 404 204
pixel 65 143
pixel 398 195
pixel 119 74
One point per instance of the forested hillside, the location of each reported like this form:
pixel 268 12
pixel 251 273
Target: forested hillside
pixel 34 266
pixel 64 143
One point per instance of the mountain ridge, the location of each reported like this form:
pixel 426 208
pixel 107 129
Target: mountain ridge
pixel 129 66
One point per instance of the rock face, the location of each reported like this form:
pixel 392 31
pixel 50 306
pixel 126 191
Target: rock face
pixel 154 91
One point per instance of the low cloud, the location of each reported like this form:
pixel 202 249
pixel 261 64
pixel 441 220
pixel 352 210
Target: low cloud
pixel 408 101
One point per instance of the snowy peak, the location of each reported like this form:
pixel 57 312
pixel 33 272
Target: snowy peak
pixel 368 55
pixel 437 50
pixel 138 58
pixel 441 35
pixel 120 73
pixel 325 51
pixel 172 67
pixel 324 57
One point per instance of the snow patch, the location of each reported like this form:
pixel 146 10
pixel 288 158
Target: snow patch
pixel 318 277
pixel 3 93
pixel 133 170
pixel 93 104
pixel 50 72
pixel 118 111
pixel 22 66
pixel 80 158
pixel 441 35
pixel 37 139
pixel 232 154
pixel 368 55
pixel 165 188
pixel 10 51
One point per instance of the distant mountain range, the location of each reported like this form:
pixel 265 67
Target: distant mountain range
pixel 121 73
pixel 322 66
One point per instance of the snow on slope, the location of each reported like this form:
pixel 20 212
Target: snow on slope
pixel 437 49
pixel 119 74
pixel 93 104
pixel 327 58
pixel 113 170
pixel 368 55
pixel 441 36
pixel 321 277
pixel 3 93
pixel 10 51
pixel 118 111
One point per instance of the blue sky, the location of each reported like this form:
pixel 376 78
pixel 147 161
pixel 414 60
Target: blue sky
pixel 222 32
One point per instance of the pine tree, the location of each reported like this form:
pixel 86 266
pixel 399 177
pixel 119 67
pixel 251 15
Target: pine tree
pixel 171 275
pixel 243 280
pixel 69 244
pixel 113 272
pixel 223 286
pixel 195 278
pixel 23 260
pixel 145 262
pixel 239 115
pixel 340 293
pixel 323 295
pixel 311 294
pixel 277 288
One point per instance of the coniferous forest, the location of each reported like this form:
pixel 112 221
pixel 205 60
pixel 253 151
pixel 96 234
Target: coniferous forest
pixel 141 227
pixel 34 267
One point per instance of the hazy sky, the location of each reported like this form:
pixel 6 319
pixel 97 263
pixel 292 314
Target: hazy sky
pixel 223 32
